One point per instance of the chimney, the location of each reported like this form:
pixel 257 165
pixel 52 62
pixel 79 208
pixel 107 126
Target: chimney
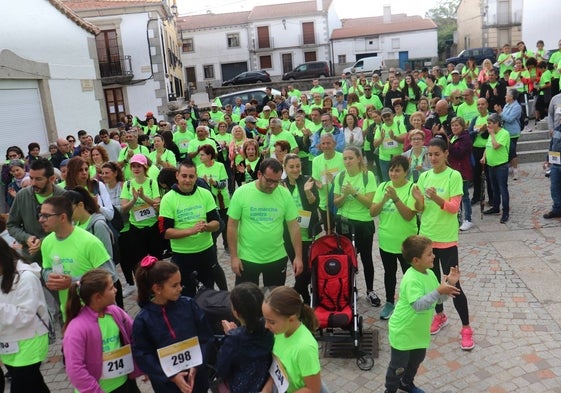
pixel 387 13
pixel 319 5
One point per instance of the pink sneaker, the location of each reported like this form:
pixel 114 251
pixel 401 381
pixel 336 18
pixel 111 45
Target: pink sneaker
pixel 438 322
pixel 467 339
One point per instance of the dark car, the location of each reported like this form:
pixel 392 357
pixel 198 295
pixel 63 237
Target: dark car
pixel 309 70
pixel 248 77
pixel 479 54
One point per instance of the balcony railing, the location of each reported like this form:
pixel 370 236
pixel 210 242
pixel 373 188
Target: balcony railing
pixel 118 69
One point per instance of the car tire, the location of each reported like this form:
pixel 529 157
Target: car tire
pixel 291 78
pixel 323 76
pixel 259 81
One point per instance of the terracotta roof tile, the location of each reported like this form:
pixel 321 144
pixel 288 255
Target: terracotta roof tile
pixel 70 14
pixel 212 20
pixel 286 10
pixel 81 5
pixel 361 27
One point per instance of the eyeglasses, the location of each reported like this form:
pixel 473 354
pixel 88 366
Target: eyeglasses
pixel 12 156
pixel 46 216
pixel 71 140
pixel 272 182
pixel 417 139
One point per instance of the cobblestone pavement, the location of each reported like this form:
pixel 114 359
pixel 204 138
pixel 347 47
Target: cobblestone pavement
pixel 511 274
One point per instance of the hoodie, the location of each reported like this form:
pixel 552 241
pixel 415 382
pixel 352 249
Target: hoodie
pixel 244 359
pixel 20 306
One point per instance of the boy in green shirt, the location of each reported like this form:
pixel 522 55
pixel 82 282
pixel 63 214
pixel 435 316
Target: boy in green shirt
pixel 409 326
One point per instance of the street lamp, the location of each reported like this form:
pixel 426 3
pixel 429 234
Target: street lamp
pixel 174 9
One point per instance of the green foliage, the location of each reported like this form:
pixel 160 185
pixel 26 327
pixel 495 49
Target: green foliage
pixel 444 15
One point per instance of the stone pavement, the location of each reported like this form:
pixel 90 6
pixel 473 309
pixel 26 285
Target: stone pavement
pixel 511 275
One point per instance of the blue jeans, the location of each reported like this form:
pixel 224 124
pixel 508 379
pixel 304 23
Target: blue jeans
pixel 555 187
pixel 499 184
pixel 385 168
pixel 466 202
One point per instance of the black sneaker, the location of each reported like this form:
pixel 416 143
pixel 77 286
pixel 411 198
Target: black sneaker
pixel 410 388
pixel 374 299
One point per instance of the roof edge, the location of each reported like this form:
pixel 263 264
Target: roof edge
pixel 74 17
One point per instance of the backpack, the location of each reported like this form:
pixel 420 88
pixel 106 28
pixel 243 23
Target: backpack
pixel 117 223
pixel 331 194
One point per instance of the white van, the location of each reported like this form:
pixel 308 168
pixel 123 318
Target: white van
pixel 366 65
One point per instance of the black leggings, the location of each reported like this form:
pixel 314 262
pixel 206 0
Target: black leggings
pixel 302 281
pixel 448 257
pixel 202 262
pixel 26 379
pixel 141 242
pixel 364 236
pixel 389 260
pixel 274 273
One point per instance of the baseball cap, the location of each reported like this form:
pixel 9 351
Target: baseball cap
pixel 139 159
pixel 214 104
pixel 266 108
pixel 149 114
pixel 250 119
pixel 455 72
pixel 386 111
pixel 339 93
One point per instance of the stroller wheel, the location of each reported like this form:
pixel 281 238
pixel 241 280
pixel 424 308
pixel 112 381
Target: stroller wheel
pixel 365 362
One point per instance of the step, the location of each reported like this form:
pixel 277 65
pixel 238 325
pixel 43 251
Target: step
pixel 542 125
pixel 531 145
pixel 534 135
pixel 532 156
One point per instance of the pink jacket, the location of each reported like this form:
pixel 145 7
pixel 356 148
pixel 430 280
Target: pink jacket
pixel 82 347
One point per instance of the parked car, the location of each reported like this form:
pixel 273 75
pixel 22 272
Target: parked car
pixel 246 95
pixel 366 65
pixel 479 54
pixel 248 77
pixel 309 70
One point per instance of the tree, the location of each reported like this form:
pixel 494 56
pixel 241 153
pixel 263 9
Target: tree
pixel 444 15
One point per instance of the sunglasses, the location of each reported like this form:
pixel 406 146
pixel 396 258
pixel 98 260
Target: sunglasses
pixel 71 140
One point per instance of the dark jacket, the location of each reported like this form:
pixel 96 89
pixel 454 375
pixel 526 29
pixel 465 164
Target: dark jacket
pixel 313 207
pixel 58 157
pixel 434 119
pixel 459 156
pixel 244 359
pixel 494 96
pixel 158 326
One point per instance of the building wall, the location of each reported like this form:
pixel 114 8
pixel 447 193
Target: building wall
pixel 541 23
pixel 50 37
pixel 470 32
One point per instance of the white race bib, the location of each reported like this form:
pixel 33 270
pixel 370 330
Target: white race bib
pixel 117 362
pixel 554 157
pixel 144 212
pixel 8 348
pixel 184 145
pixel 390 144
pixel 304 217
pixel 180 356
pixel 276 371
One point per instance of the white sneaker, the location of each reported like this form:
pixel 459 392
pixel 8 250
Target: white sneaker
pixel 515 174
pixel 466 225
pixel 128 290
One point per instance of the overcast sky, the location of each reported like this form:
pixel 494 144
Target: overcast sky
pixel 345 8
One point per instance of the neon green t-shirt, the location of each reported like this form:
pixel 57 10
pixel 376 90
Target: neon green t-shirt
pixel 261 218
pixel 216 172
pixel 110 341
pixel 226 138
pixel 352 208
pixel 479 140
pixel 194 146
pixel 79 253
pixel 393 229
pixel 182 139
pixel 409 329
pixel 494 157
pixel 389 147
pixel 298 202
pixel 123 154
pixel 320 168
pixel 298 355
pixel 141 214
pixel 186 211
pixel 436 223
pixel 282 136
pixel 167 156
pixel 467 111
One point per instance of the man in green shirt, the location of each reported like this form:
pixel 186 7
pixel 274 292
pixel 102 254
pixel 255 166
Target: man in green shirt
pixel 132 148
pixel 278 134
pixel 467 109
pixel 257 213
pixel 182 136
pixel 188 216
pixel 202 139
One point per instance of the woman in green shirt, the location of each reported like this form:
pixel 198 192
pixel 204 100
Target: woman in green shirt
pixel 162 157
pixel 352 195
pixel 250 165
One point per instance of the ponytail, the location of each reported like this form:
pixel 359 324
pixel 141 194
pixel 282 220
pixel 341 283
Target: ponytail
pixel 151 271
pixel 286 301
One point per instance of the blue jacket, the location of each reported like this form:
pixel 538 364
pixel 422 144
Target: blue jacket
pixel 244 359
pixel 511 118
pixel 339 141
pixel 158 326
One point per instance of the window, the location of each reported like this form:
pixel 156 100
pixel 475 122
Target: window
pixel 233 40
pixel 265 62
pixel 308 33
pixel 108 53
pixel 115 105
pixel 208 71
pixel 263 40
pixel 395 43
pixel 310 56
pixel 286 62
pixel 188 45
pixel 342 59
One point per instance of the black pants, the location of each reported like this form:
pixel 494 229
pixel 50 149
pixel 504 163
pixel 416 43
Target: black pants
pixel 477 172
pixel 364 236
pixel 448 257
pixel 403 368
pixel 274 273
pixel 119 295
pixel 302 281
pixel 201 262
pixel 26 379
pixel 389 260
pixel 141 242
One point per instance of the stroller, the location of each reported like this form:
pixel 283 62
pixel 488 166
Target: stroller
pixel 334 265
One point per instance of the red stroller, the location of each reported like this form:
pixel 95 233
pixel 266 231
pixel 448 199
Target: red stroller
pixel 333 263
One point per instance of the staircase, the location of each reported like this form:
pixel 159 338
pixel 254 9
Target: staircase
pixel 533 146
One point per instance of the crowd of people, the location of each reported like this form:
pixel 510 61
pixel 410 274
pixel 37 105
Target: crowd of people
pixel 259 175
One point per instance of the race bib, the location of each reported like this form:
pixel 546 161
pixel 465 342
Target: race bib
pixel 390 144
pixel 554 157
pixel 304 217
pixel 118 362
pixel 325 178
pixel 518 85
pixel 144 212
pixel 184 145
pixel 276 371
pixel 509 62
pixel 8 348
pixel 180 356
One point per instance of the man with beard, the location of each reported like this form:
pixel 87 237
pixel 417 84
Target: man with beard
pixel 22 223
